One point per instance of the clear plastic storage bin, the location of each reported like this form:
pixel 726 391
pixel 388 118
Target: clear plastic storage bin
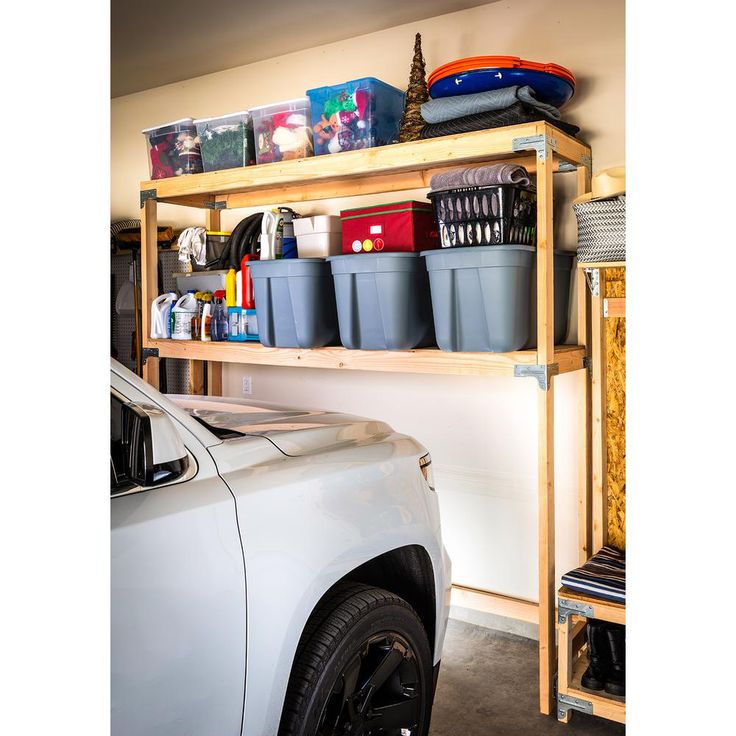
pixel 282 131
pixel 173 149
pixel 226 142
pixel 362 113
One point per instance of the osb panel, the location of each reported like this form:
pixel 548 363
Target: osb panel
pixel 615 338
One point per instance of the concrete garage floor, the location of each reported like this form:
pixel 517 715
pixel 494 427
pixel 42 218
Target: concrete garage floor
pixel 488 687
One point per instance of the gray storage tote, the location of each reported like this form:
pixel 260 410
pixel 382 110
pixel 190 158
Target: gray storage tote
pixel 295 302
pixel 481 297
pixel 383 301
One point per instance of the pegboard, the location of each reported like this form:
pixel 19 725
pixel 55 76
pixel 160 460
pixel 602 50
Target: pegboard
pixel 122 327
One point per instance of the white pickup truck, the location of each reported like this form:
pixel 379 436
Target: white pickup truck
pixel 273 571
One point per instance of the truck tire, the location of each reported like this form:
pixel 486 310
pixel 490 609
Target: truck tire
pixel 363 666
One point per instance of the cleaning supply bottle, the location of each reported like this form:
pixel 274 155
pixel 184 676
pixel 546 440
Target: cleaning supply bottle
pixel 219 317
pixel 160 310
pixel 248 300
pixel 207 318
pixel 271 235
pixel 182 313
pixel 197 318
pixel 230 280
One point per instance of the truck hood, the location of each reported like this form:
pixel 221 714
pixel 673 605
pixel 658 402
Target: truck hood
pixel 294 431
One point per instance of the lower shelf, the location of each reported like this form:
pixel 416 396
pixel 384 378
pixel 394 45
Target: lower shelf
pixel 611 707
pixel 425 360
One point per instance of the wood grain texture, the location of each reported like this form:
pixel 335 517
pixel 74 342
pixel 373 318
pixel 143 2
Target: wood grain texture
pixel 495 603
pixel 615 339
pixel 424 360
pixel 598 423
pixel 545 443
pixel 149 282
pixel 585 532
pixel 604 610
pixel 606 706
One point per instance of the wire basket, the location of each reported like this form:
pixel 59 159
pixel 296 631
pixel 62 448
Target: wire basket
pixel 601 230
pixel 504 214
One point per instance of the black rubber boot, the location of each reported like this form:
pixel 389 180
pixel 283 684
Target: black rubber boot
pixel 616 680
pixel 599 656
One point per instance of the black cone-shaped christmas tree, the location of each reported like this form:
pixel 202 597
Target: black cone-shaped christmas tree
pixel 416 95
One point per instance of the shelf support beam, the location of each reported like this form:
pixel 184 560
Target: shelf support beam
pixel 149 280
pixel 585 484
pixel 544 146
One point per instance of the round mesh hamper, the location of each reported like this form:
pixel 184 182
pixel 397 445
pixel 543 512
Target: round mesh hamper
pixel 601 230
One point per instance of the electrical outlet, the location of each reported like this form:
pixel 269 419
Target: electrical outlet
pixel 247 385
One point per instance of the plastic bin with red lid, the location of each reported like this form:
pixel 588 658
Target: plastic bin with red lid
pixel 390 228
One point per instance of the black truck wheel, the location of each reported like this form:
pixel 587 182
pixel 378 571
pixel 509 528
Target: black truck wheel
pixel 363 666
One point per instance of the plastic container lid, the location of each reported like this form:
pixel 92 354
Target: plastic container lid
pixel 285 267
pixel 184 121
pixel 472 63
pixel 222 117
pixel 479 256
pixel 296 100
pixel 373 262
pixel 356 82
pixel 317 224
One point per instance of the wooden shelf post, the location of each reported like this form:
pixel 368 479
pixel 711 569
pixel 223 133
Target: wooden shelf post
pixel 585 539
pixel 598 430
pixel 546 443
pixel 149 280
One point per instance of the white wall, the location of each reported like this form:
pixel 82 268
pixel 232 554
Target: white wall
pixel 481 431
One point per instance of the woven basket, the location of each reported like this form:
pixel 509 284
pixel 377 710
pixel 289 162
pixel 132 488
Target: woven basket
pixel 601 230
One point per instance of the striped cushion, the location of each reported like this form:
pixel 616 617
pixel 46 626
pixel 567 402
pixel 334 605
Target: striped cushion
pixel 602 576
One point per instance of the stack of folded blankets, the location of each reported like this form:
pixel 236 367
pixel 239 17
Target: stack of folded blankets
pixel 491 109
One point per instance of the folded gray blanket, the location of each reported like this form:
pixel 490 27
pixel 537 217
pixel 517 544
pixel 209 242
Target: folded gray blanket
pixel 480 176
pixel 459 106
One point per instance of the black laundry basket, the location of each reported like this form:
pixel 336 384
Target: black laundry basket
pixel 495 215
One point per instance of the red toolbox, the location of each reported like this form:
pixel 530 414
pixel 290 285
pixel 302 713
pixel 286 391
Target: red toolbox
pixel 394 227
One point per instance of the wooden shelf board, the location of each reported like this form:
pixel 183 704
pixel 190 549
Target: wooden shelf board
pixel 603 264
pixel 371 170
pixel 605 610
pixel 427 360
pixel 612 707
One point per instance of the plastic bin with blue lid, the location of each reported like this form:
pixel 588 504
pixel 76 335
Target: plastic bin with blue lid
pixel 362 113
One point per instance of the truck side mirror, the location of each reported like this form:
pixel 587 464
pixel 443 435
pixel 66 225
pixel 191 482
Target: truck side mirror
pixel 153 451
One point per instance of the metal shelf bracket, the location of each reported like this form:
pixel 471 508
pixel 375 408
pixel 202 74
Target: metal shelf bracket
pixel 212 205
pixel 539 143
pixel 593 277
pixel 148 353
pixel 147 194
pixel 567 608
pixel 567 703
pixel 543 373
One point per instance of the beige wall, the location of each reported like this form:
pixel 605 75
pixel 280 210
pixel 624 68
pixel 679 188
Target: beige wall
pixel 481 432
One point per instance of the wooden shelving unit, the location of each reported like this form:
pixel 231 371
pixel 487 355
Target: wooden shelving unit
pixel 544 151
pixel 574 610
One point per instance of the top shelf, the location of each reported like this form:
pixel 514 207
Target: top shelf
pixel 368 171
